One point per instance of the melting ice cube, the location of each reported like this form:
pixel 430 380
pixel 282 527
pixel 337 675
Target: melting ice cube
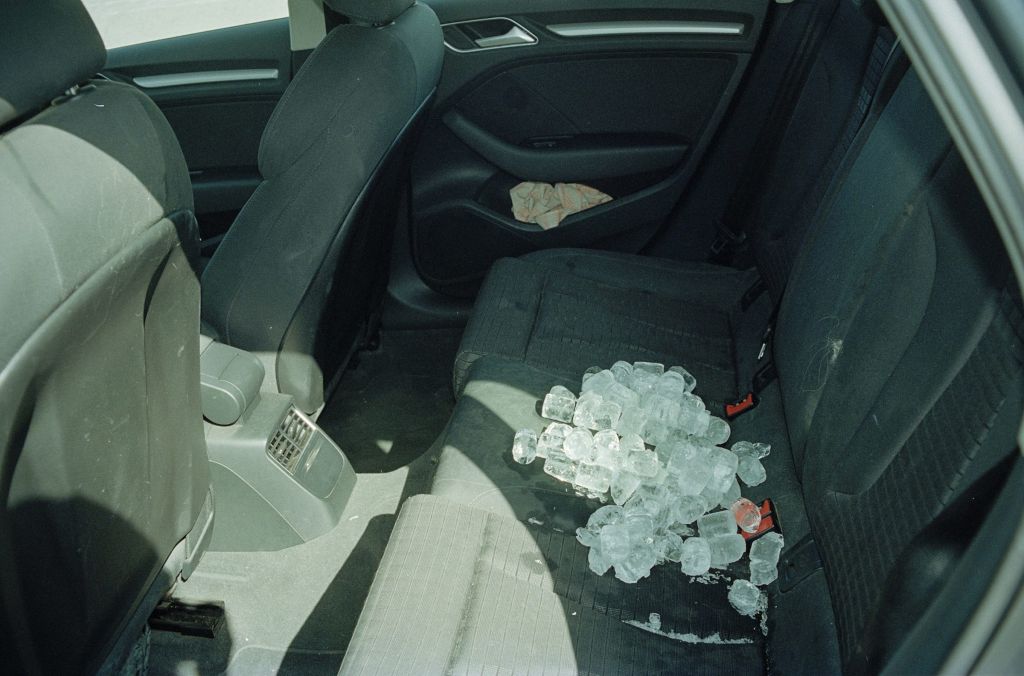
pixel 717 523
pixel 748 515
pixel 524 446
pixel 695 556
pixel 558 404
pixel 745 598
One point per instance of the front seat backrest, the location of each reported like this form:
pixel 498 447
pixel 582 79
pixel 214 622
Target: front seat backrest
pixel 301 266
pixel 104 471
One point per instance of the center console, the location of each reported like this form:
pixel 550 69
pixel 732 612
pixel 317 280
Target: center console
pixel 278 479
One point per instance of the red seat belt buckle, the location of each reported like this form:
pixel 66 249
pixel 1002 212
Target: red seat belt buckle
pixel 740 406
pixel 769 522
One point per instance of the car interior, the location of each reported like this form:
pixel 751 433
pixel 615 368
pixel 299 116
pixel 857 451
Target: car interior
pixel 272 324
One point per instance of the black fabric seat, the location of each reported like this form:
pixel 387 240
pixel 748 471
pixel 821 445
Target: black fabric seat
pixel 567 310
pixel 900 385
pixel 298 274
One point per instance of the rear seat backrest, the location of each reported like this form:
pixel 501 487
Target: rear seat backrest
pixel 833 102
pixel 897 349
pixel 849 245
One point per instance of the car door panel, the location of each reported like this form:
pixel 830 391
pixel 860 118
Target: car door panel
pixel 623 98
pixel 217 90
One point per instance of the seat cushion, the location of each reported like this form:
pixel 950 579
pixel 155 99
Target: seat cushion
pixel 566 310
pixel 461 590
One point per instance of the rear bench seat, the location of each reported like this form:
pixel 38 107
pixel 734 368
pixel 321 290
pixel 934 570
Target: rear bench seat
pixel 899 356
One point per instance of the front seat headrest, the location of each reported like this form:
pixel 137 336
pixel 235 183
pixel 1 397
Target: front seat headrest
pixel 373 12
pixel 48 46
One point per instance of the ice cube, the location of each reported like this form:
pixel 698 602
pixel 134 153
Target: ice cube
pixel 588 537
pixel 552 438
pixel 688 378
pixel 717 523
pixel 651 367
pixel 762 572
pixel 748 515
pixel 669 547
pixel 593 478
pixel 656 432
pixel 606 415
pixel 641 528
pixel 718 431
pixel 723 469
pixel 671 385
pixel 597 561
pixel 624 484
pixel 588 373
pixel 621 395
pixel 767 548
pixel 615 543
pixel 693 421
pixel 645 503
pixel 643 463
pixel 524 446
pixel 695 556
pixel 654 621
pixel 605 516
pixel 599 382
pixel 632 420
pixel 661 408
pixel 692 402
pixel 579 445
pixel 607 451
pixel 688 509
pixel 711 496
pixel 586 407
pixel 726 549
pixel 693 475
pixel 637 564
pixel 745 598
pixel 631 443
pixel 731 495
pixel 623 372
pixel 643 382
pixel 560 466
pixel 756 449
pixel 558 404
pixel 751 471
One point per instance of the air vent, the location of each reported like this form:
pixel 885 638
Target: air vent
pixel 290 440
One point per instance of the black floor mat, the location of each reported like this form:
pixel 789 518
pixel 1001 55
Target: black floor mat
pixel 392 403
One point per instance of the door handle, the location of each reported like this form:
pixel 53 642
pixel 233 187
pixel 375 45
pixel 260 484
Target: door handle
pixel 514 36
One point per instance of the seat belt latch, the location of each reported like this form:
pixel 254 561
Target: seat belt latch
pixel 740 406
pixel 726 236
pixel 764 376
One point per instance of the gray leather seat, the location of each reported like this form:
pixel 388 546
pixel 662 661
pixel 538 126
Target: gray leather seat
pixel 105 487
pixel 305 261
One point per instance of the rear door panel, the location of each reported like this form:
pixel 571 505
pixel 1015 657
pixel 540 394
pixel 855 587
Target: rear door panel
pixel 217 90
pixel 621 96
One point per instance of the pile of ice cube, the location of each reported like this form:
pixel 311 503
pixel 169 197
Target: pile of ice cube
pixel 639 437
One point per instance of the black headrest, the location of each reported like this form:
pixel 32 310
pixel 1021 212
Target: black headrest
pixel 373 12
pixel 47 46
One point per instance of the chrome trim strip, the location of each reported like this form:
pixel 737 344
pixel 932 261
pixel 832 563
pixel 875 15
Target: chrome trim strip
pixel 609 28
pixel 205 77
